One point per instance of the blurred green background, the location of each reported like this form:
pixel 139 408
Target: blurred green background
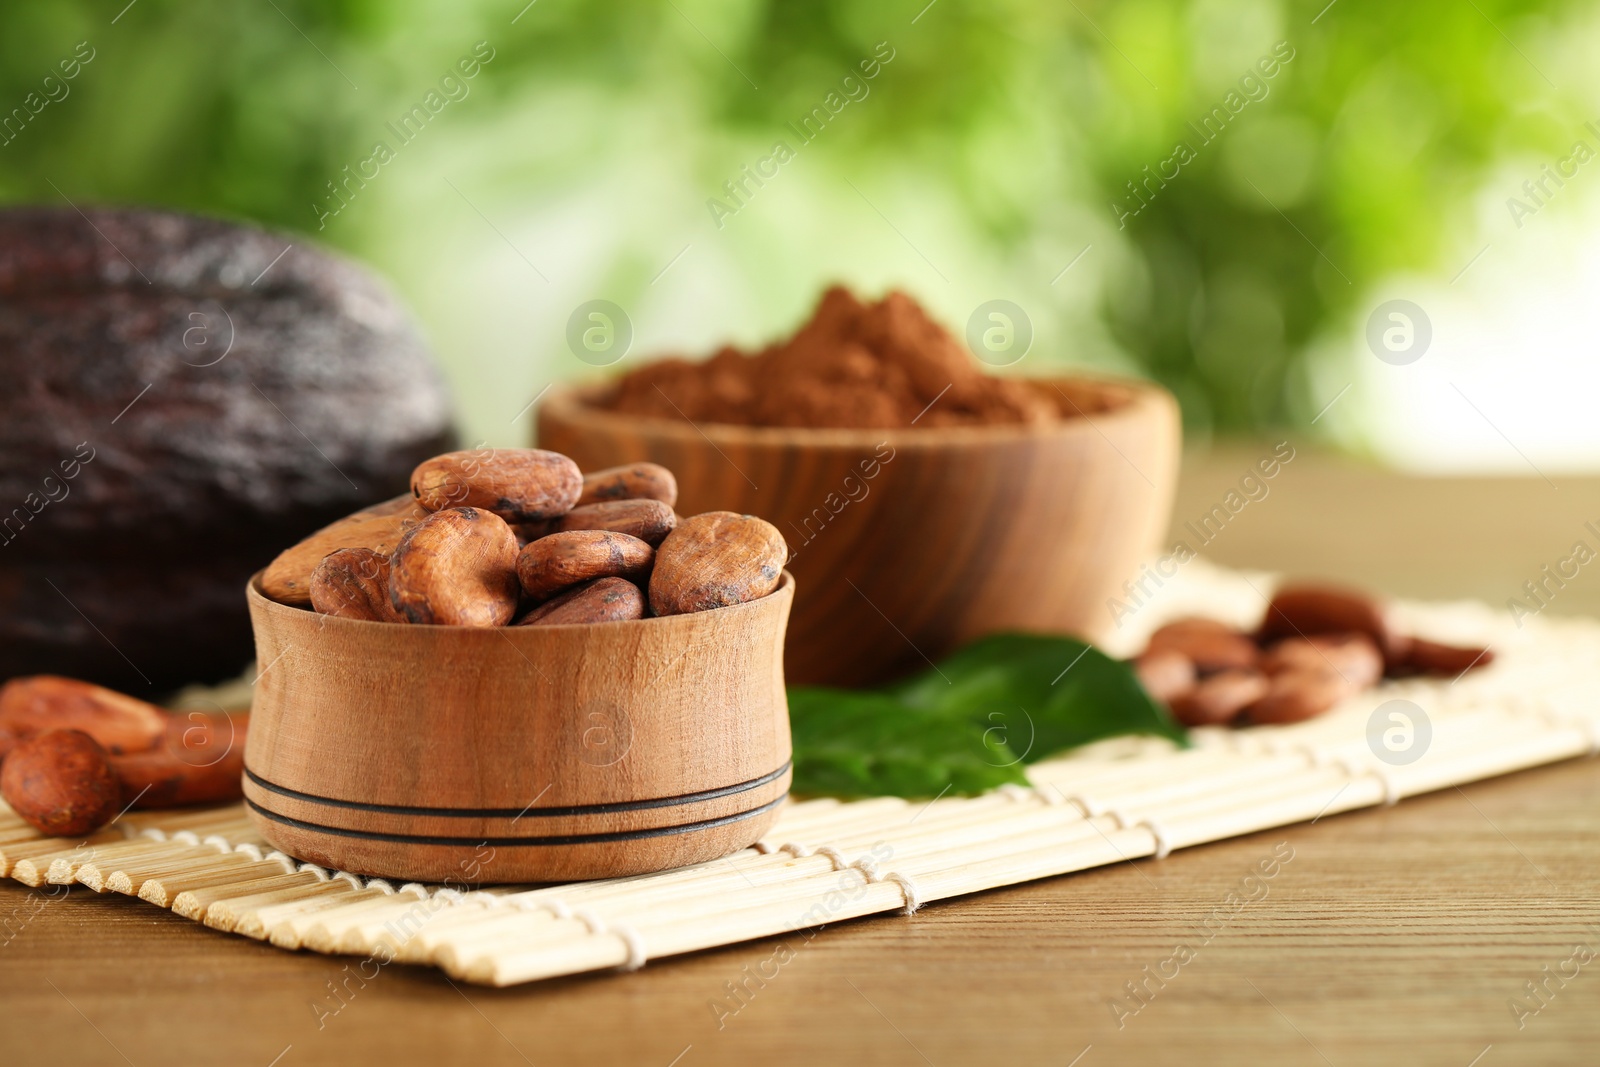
pixel 986 159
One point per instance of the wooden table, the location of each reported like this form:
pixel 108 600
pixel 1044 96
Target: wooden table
pixel 1392 936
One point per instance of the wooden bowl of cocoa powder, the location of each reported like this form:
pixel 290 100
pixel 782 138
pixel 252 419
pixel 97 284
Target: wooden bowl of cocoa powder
pixel 910 542
pixel 470 755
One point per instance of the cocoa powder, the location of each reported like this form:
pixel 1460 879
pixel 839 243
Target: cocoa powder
pixel 853 365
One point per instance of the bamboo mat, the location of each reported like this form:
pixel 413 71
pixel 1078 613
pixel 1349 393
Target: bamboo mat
pixel 826 861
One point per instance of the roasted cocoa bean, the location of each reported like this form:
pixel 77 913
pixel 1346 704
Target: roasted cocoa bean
pixel 547 566
pixel 287 579
pixel 457 567
pixel 602 600
pixel 648 520
pixel 1220 698
pixel 1353 656
pixel 636 481
pixel 517 484
pixel 61 783
pixel 202 762
pixel 1211 645
pixel 1431 657
pixel 1305 610
pixel 1165 673
pixel 353 583
pixel 716 560
pixel 33 705
pixel 1301 693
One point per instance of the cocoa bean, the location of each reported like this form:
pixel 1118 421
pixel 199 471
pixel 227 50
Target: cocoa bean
pixel 648 520
pixel 517 484
pixel 202 762
pixel 1165 673
pixel 636 481
pixel 715 560
pixel 287 579
pixel 1211 645
pixel 457 567
pixel 602 600
pixel 1431 657
pixel 61 783
pixel 1353 656
pixel 547 566
pixel 353 583
pixel 30 706
pixel 1220 698
pixel 1301 693
pixel 1305 610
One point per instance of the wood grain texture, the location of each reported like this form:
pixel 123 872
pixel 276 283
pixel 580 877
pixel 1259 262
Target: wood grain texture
pixel 567 752
pixel 909 543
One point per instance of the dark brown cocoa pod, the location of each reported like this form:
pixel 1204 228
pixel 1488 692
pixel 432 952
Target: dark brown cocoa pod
pixel 1165 673
pixel 1220 698
pixel 648 520
pixel 602 600
pixel 456 568
pixel 547 566
pixel 1211 645
pixel 636 481
pixel 61 783
pixel 353 583
pixel 716 560
pixel 517 484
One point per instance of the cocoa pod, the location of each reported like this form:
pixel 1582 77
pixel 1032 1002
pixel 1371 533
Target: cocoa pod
pixel 1431 657
pixel 1306 609
pixel 1301 693
pixel 287 579
pixel 1353 656
pixel 1211 645
pixel 61 783
pixel 202 762
pixel 1220 698
pixel 1165 673
pixel 457 567
pixel 353 583
pixel 648 520
pixel 547 566
pixel 602 600
pixel 636 481
pixel 30 706
pixel 716 560
pixel 517 484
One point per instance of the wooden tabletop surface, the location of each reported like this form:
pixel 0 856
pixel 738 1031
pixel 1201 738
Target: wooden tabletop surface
pixel 1402 935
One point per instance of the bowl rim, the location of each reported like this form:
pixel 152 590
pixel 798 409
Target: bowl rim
pixel 571 401
pixel 254 595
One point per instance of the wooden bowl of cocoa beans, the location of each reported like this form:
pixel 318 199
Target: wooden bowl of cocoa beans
pixel 908 543
pixel 521 674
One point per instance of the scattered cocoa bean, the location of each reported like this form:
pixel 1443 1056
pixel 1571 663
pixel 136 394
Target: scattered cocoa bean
pixel 33 705
pixel 547 566
pixel 1431 657
pixel 1306 609
pixel 201 762
pixel 1220 698
pixel 61 783
pixel 517 484
pixel 1211 645
pixel 353 583
pixel 715 560
pixel 457 567
pixel 287 579
pixel 602 600
pixel 636 481
pixel 1165 673
pixel 648 520
pixel 1353 656
pixel 1301 693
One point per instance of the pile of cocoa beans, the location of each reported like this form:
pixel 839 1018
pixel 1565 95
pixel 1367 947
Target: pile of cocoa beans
pixel 1317 646
pixel 76 755
pixel 521 537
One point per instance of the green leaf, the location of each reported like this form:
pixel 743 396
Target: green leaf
pixel 969 724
